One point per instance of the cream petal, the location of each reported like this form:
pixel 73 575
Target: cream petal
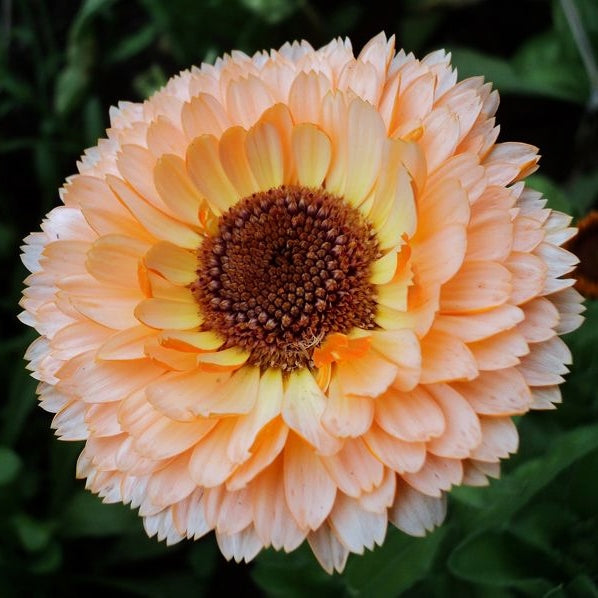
pixel 331 554
pixel 247 99
pixel 355 527
pixel 242 546
pixel 309 490
pixel 415 513
pixel 235 511
pixel 541 320
pixel 437 475
pixel 499 439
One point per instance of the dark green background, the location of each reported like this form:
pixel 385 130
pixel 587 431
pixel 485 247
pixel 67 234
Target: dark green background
pixel 62 64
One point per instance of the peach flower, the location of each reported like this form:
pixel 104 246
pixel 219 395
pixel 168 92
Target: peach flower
pixel 297 296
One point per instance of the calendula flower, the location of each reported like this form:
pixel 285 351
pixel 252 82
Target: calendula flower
pixel 585 245
pixel 298 295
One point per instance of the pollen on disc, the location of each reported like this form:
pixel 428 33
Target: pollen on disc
pixel 285 268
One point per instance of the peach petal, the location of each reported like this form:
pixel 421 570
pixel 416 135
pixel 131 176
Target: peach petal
pixel 302 407
pixel 435 265
pixel 398 455
pixel 153 220
pixel 546 362
pixel 115 249
pixel 77 338
pixel 382 497
pixel 101 420
pixel 231 150
pixel 354 469
pixel 502 392
pixel 167 314
pixel 441 135
pixel 273 521
pixel 242 546
pixel 305 96
pixel 502 350
pixel 489 224
pixel 247 99
pixel 309 490
pixel 206 171
pixel 462 432
pixel 203 115
pixel 344 415
pixel 473 327
pixel 312 151
pixel 172 483
pixel 163 137
pixel 269 443
pixel 172 262
pixel 445 358
pixel 438 474
pixel 410 416
pixel 126 344
pixel 402 348
pixel 528 275
pixel 265 150
pixel 478 286
pixel 175 188
pixel 104 381
pixel 210 464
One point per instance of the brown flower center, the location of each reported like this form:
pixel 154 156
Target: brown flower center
pixel 287 267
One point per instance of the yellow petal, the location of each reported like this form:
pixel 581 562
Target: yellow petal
pixel 312 152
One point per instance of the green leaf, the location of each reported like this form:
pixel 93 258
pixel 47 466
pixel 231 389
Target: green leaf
pixel 508 77
pixel 294 576
pixel 395 566
pixel 132 45
pixel 499 559
pixel 272 11
pixel 10 465
pixel 33 535
pixel 87 516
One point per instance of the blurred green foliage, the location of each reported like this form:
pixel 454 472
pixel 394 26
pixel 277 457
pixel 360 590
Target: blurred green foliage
pixel 62 64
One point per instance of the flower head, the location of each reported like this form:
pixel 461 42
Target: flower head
pixel 298 295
